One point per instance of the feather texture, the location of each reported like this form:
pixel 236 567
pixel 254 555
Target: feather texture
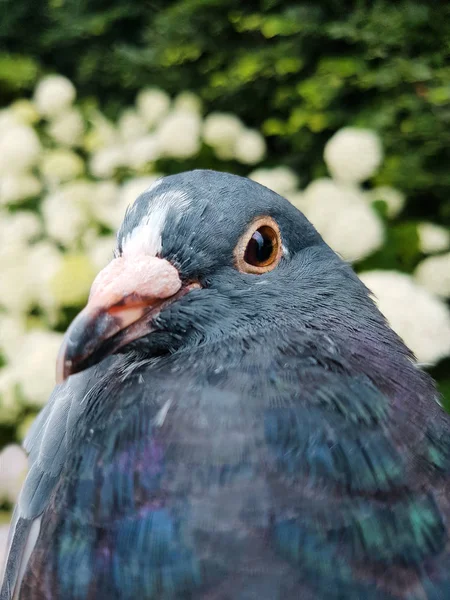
pixel 269 476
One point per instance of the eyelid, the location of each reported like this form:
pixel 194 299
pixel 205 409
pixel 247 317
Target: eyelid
pixel 241 246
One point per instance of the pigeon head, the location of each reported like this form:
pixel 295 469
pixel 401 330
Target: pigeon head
pixel 203 255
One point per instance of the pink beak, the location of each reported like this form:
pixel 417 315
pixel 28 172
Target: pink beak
pixel 125 297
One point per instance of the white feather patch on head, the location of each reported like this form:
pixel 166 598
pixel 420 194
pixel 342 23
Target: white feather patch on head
pixel 146 237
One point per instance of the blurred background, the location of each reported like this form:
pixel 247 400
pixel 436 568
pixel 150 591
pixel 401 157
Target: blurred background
pixel 342 107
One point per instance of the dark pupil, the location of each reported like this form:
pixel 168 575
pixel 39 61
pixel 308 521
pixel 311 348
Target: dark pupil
pixel 259 249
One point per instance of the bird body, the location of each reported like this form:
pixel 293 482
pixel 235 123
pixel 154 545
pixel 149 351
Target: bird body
pixel 268 437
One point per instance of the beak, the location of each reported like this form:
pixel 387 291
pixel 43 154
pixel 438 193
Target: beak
pixel 124 299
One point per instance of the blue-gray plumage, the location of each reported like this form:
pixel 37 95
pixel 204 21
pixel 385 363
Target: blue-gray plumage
pixel 248 430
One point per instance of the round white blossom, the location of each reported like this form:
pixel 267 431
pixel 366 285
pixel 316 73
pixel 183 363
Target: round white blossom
pixel 106 161
pixel 25 111
pixel 433 238
pixel 433 273
pixel 152 105
pixel 178 136
pixel 71 283
pixel 250 147
pixel 67 128
pixel 393 198
pixel 15 288
pixel 36 365
pixel 102 133
pixel 298 199
pixel 188 101
pixel 13 469
pixel 281 180
pixel 343 218
pixel 131 125
pixel 19 149
pixel 18 186
pixel 11 330
pixel 221 131
pixel 64 214
pixel 26 272
pixel 143 150
pixel 131 189
pixel 9 119
pixel 103 203
pixel 109 201
pixel 353 155
pixel 61 165
pixel 43 262
pixel 101 250
pixel 419 318
pixel 54 94
pixel 357 232
pixel 10 407
pixel 17 229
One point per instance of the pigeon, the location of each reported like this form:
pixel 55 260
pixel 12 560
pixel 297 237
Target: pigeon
pixel 234 419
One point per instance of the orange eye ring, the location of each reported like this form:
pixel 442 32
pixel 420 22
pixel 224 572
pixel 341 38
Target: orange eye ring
pixel 259 250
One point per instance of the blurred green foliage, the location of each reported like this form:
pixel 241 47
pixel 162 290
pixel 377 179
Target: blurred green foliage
pixel 301 70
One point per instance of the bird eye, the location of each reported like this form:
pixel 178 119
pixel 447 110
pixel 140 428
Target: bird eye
pixel 259 249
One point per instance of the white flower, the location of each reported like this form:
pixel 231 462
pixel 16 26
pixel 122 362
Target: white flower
pixel 130 190
pixel 433 238
pixel 394 199
pixel 281 180
pixel 36 365
pixel 11 330
pixel 43 262
pixel 353 155
pixel 152 105
pixel 298 199
pixel 419 318
pixel 102 133
pixel 250 147
pixel 100 251
pixel 221 131
pixel 15 292
pixel 16 289
pixel 131 125
pixel 17 229
pixel 433 273
pixel 103 201
pixel 141 151
pixel 133 188
pixel 179 134
pixel 108 202
pixel 64 214
pixel 67 128
pixel 343 218
pixel 54 94
pixel 357 232
pixel 61 165
pixel 25 111
pixel 10 406
pixel 70 285
pixel 25 278
pixel 13 469
pixel 188 101
pixel 9 119
pixel 106 161
pixel 18 186
pixel 19 149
